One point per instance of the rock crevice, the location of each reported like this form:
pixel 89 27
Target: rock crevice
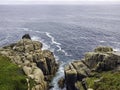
pixel 100 60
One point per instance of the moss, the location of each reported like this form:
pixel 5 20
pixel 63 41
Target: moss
pixel 105 81
pixel 32 83
pixel 11 76
pixel 79 86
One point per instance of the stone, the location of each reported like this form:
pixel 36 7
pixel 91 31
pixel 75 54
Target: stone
pixel 27 70
pixel 37 45
pixel 103 49
pixel 26 36
pixel 61 83
pixel 29 48
pixel 101 59
pixel 70 77
pixel 38 75
pixel 82 70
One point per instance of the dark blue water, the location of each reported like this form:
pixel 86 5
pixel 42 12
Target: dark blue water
pixel 68 31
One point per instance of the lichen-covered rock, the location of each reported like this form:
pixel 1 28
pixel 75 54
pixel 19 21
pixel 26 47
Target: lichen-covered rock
pixel 27 70
pixel 37 64
pixel 102 59
pixel 75 72
pixel 103 49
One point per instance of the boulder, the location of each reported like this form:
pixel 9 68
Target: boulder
pixel 38 75
pixel 102 59
pixel 70 78
pixel 75 72
pixel 26 36
pixel 61 83
pixel 27 70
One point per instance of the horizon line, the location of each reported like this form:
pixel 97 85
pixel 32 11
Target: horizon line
pixel 62 3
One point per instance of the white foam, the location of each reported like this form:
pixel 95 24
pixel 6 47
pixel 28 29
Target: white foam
pixel 39 31
pixel 25 29
pixel 102 41
pixel 59 75
pixel 116 49
pixel 57 44
pixel 52 39
pixel 45 46
pixel 35 38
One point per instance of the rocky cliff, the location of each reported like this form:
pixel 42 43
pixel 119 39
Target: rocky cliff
pixel 38 65
pixel 98 70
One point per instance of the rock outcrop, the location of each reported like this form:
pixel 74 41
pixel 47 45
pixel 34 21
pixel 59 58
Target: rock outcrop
pixel 39 65
pixel 102 59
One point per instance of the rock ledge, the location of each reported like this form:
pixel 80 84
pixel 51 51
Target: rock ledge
pixel 39 65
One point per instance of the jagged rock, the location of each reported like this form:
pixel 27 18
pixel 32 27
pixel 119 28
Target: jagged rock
pixel 26 36
pixel 74 72
pixel 37 45
pixel 70 77
pixel 36 63
pixel 102 59
pixel 103 49
pixel 82 70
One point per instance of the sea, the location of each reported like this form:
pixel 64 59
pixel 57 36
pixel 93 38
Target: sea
pixel 69 31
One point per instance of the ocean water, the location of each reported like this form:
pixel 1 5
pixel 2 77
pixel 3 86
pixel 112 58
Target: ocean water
pixel 68 31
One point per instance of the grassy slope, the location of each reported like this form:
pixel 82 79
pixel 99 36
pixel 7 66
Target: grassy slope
pixel 109 81
pixel 11 76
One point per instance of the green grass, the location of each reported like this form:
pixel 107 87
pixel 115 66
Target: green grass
pixel 109 81
pixel 11 76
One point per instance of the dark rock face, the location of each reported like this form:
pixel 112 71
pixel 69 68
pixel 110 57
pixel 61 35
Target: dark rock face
pixel 61 83
pixel 102 59
pixel 74 72
pixel 26 36
pixel 37 64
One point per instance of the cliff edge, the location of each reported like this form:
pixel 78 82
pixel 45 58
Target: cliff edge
pixel 98 70
pixel 38 65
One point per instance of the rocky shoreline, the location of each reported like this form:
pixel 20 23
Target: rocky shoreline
pixel 98 70
pixel 37 64
pixel 93 70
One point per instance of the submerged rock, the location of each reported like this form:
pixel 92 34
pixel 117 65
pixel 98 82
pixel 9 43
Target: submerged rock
pixel 102 59
pixel 37 64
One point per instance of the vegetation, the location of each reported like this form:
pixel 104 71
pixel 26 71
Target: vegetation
pixel 11 76
pixel 105 81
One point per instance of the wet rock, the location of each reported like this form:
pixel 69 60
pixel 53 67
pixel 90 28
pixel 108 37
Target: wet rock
pixel 26 36
pixel 61 83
